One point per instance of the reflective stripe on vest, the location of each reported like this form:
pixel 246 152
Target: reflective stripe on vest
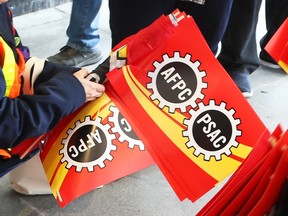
pixel 12 73
pixel 5 154
pixel 11 70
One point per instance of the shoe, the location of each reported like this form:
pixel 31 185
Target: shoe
pixel 243 83
pixel 267 61
pixel 71 57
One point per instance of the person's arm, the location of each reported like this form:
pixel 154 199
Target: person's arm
pixel 32 115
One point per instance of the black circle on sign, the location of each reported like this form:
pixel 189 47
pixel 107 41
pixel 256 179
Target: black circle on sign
pixel 123 126
pixel 186 73
pixel 92 153
pixel 222 123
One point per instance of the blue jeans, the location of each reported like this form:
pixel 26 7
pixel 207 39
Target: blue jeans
pixel 83 27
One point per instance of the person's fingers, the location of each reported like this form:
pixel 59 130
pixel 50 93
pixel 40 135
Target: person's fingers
pixel 82 73
pixel 92 89
pixel 100 88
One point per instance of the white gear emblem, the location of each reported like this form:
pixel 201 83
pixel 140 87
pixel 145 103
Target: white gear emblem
pixel 212 130
pixel 88 144
pixel 123 128
pixel 176 82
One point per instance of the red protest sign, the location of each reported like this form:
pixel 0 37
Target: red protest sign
pixel 202 126
pixel 90 148
pixel 277 47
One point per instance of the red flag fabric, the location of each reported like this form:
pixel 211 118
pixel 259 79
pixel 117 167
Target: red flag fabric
pixel 276 182
pixel 90 148
pixel 183 105
pixel 277 47
pixel 243 191
pixel 236 183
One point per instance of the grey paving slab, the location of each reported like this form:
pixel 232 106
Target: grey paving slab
pixel 270 96
pixel 44 32
pixel 144 193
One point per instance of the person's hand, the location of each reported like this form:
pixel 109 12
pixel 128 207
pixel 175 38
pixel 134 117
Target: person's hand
pixel 93 90
pixel 3 1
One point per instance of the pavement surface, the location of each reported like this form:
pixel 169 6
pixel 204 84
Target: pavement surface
pixel 145 193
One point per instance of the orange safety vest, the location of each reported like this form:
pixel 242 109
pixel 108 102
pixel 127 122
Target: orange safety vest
pixel 11 70
pixel 12 74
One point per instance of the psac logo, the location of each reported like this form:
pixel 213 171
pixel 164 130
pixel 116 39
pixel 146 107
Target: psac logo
pixel 90 142
pixel 177 83
pixel 212 130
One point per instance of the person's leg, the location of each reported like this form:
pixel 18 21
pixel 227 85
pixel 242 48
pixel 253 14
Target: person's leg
pixel 239 48
pixel 83 27
pixel 129 16
pixel 276 13
pixel 211 18
pixel 82 47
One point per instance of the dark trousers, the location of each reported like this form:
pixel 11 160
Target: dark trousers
pixel 239 47
pixel 212 18
pixel 129 16
pixel 276 13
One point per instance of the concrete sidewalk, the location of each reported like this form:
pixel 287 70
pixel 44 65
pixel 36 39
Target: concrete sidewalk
pixel 145 193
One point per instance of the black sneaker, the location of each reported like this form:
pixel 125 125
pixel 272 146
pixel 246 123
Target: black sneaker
pixel 267 61
pixel 243 83
pixel 71 57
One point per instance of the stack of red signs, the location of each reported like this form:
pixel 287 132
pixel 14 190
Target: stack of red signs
pixel 92 147
pixel 277 47
pixel 182 104
pixel 256 192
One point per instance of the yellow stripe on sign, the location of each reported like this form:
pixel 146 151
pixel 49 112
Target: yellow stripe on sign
pixel 242 151
pixel 59 178
pixel 217 169
pixel 104 110
pixel 283 65
pixel 122 52
pixel 97 104
pixel 9 65
pixel 53 158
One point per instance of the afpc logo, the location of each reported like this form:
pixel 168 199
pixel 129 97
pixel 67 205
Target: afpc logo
pixel 176 82
pixel 87 145
pixel 212 130
pixel 124 129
